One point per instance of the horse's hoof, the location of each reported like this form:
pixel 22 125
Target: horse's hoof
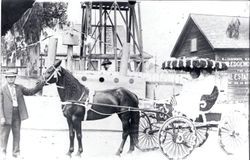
pixel 118 153
pixel 130 151
pixel 78 154
pixel 68 154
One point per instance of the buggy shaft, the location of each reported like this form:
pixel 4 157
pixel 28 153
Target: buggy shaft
pixel 130 108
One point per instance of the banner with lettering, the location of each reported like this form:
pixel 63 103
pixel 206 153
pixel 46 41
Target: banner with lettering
pixel 238 82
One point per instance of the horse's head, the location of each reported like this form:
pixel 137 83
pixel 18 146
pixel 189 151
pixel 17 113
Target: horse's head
pixel 53 73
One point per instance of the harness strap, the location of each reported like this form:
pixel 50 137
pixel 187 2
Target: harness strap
pixel 87 108
pixel 60 87
pixel 108 114
pixel 81 96
pixel 65 103
pixel 88 104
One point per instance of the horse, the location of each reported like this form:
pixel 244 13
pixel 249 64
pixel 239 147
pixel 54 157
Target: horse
pixel 74 97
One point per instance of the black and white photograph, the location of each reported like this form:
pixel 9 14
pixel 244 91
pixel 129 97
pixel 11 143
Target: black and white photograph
pixel 124 80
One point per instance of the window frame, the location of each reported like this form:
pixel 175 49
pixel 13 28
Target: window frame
pixel 193 45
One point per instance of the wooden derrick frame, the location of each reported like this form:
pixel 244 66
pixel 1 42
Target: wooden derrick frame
pixel 128 15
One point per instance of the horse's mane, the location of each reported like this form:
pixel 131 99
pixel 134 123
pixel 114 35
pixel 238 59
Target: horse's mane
pixel 73 89
pixel 69 76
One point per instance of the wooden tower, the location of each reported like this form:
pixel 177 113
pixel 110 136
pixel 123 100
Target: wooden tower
pixel 100 38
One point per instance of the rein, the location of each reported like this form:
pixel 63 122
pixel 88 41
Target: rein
pixel 56 74
pixel 86 105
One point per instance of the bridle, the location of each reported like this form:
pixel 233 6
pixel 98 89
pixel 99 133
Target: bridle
pixel 56 73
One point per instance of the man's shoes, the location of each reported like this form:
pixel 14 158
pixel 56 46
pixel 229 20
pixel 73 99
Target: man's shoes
pixel 17 156
pixel 3 156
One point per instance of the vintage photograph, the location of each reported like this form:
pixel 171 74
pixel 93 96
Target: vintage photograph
pixel 124 80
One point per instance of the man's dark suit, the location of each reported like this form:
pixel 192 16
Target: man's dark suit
pixel 14 115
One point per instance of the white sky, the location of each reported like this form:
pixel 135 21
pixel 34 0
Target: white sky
pixel 162 21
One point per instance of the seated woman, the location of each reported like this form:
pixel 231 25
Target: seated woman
pixel 201 82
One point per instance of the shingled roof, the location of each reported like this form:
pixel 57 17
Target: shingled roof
pixel 214 28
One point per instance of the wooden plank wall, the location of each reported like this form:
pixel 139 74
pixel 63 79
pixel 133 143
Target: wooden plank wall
pixel 203 47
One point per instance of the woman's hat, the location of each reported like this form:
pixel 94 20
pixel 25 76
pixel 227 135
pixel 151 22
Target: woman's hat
pixel 11 73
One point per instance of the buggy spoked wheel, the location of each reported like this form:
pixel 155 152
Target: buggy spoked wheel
pixel 177 137
pixel 233 133
pixel 201 133
pixel 147 135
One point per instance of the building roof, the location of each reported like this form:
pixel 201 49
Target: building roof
pixel 214 29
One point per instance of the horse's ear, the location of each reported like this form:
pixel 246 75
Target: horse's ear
pixel 58 63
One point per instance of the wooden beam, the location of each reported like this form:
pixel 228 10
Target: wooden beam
pixel 82 50
pixel 110 56
pixel 140 38
pixel 100 28
pixel 105 31
pixel 130 33
pixel 52 49
pixel 114 38
pixel 112 25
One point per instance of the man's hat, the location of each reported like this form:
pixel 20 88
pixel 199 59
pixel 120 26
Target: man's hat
pixel 106 62
pixel 11 73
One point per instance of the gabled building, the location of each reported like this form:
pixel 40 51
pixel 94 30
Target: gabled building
pixel 224 38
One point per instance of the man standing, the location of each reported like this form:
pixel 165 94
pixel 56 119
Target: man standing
pixel 12 111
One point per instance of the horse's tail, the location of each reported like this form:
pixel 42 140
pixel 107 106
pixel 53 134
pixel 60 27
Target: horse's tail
pixel 130 99
pixel 135 117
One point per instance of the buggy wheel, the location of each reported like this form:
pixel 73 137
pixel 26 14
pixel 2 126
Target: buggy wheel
pixel 177 137
pixel 233 133
pixel 147 134
pixel 202 134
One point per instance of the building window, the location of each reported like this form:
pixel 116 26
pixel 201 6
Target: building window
pixel 194 45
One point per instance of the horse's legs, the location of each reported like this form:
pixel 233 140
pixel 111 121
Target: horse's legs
pixel 71 136
pixel 125 133
pixel 78 128
pixel 132 144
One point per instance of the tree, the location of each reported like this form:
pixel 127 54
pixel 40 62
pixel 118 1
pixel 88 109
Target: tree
pixel 41 15
pixel 233 29
pixel 28 29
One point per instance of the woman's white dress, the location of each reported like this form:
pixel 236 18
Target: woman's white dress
pixel 188 102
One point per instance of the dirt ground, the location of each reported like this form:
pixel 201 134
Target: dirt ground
pixel 53 145
pixel 44 136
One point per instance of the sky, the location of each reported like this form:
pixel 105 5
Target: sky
pixel 162 21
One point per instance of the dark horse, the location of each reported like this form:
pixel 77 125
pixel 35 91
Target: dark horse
pixel 73 96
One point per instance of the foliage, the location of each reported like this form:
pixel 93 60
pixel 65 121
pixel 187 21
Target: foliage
pixel 42 15
pixel 28 29
pixel 233 29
